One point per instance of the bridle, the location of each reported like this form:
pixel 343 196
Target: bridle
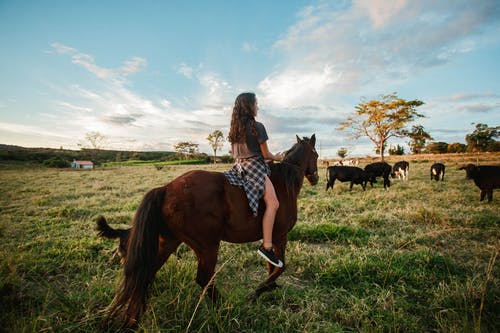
pixel 307 175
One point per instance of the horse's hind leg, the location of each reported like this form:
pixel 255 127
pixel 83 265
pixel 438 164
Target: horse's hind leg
pixel 207 259
pixel 167 245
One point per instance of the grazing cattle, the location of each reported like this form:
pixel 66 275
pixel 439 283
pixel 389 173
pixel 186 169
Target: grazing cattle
pixel 351 174
pixel 486 177
pixel 437 169
pixel 400 170
pixel 106 231
pixel 379 169
pixel 350 162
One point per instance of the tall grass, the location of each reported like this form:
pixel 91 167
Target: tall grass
pixel 421 256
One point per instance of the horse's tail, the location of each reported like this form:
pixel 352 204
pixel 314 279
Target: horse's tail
pixel 141 262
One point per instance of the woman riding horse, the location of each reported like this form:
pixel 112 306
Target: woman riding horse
pixel 201 208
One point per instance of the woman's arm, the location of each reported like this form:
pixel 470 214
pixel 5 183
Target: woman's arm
pixel 267 154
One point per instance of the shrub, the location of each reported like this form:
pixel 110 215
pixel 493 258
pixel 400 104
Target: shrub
pixel 398 150
pixel 57 162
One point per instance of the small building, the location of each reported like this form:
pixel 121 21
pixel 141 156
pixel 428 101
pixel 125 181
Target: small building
pixel 82 164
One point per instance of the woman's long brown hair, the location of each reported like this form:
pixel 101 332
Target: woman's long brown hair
pixel 243 116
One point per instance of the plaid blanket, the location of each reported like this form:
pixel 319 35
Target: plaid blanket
pixel 250 174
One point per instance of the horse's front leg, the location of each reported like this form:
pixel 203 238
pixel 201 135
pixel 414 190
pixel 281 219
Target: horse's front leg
pixel 273 271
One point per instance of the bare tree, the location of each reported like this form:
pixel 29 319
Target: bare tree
pixel 94 141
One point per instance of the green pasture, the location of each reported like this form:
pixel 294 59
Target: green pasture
pixel 420 257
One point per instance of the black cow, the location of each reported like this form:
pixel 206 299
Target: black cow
pixel 345 174
pixel 106 231
pixel 379 169
pixel 437 169
pixel 400 170
pixel 486 177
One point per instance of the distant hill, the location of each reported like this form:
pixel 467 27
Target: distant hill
pixel 18 153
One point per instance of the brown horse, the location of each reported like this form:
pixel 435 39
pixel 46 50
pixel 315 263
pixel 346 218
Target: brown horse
pixel 201 209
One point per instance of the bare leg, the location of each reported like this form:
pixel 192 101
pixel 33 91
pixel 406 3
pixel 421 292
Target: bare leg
pixel 272 205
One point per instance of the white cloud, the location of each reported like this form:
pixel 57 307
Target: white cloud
pixel 297 88
pixel 248 47
pixel 381 12
pixel 133 66
pixel 31 130
pixel 185 70
pixel 63 49
pixel 216 88
pixel 130 120
pixel 70 106
pixel 375 44
pixel 87 61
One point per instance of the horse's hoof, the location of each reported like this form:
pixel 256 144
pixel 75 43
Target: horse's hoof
pixel 253 298
pixel 262 289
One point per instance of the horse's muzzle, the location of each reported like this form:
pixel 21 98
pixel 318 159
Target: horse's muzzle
pixel 313 178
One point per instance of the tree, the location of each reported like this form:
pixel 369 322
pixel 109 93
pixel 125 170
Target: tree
pixel 482 137
pixel 379 120
pixel 216 140
pixel 186 148
pixel 94 141
pixel 342 152
pixel 398 150
pixel 437 147
pixel 418 137
pixel 57 162
pixel 456 147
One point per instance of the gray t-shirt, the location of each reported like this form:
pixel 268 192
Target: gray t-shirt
pixel 252 145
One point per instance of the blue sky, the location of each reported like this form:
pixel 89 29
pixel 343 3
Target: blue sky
pixel 149 74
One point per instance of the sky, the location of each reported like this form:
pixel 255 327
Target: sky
pixel 150 74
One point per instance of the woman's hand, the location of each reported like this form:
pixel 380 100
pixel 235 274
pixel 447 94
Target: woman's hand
pixel 278 156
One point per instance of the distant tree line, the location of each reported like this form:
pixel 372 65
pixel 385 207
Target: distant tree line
pixel 91 148
pixel 52 157
pixel 388 117
pixel 482 139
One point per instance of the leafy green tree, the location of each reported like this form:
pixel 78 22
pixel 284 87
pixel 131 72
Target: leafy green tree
pixel 57 162
pixel 216 140
pixel 186 148
pixel 437 148
pixel 481 138
pixel 398 150
pixel 456 147
pixel 418 138
pixel 381 119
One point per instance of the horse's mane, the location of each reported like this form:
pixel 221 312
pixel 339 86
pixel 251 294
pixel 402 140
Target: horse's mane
pixel 288 171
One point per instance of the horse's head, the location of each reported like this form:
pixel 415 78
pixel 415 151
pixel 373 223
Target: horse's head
pixel 311 158
pixel 304 155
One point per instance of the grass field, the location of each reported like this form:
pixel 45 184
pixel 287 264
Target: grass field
pixel 420 257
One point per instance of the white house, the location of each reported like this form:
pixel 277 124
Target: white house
pixel 82 164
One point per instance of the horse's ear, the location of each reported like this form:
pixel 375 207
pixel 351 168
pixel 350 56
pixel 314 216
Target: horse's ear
pixel 298 139
pixel 313 140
